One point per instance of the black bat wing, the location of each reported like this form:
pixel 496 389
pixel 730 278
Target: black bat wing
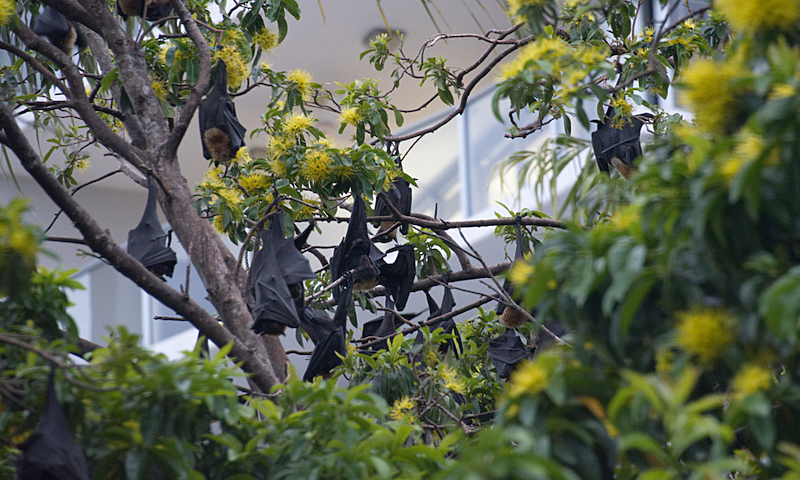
pixel 274 307
pixel 506 351
pixel 508 287
pixel 148 241
pixel 156 11
pixel 227 119
pixel 294 266
pixel 301 240
pixel 325 358
pixel 599 142
pixel 356 251
pixel 51 452
pixel 51 23
pixel 404 204
pixel 398 277
pixel 316 324
pixel 449 327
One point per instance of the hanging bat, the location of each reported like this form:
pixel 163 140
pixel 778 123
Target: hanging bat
pixel 398 277
pixel 510 317
pixel 148 241
pixel 506 351
pixel 356 253
pixel 316 324
pixel 448 326
pixel 62 33
pixel 278 268
pixel 618 147
pixel 51 452
pixel 323 358
pixel 221 133
pixel 385 325
pixel 153 10
pixel 400 197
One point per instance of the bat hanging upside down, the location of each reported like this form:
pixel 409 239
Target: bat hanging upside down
pixel 61 32
pixel 152 10
pixel 220 130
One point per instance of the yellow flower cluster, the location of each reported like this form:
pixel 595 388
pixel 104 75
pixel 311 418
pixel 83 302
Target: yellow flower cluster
pixel 159 89
pixel 8 9
pixel 625 110
pixel 520 273
pixel 317 165
pixel 306 211
pixel 218 224
pixel 266 39
pixel 704 332
pixel 243 156
pixel 452 379
pixel 302 82
pixel 344 172
pixel 351 116
pixel 515 6
pixel 575 61
pixel 709 93
pixel 751 16
pixel 297 123
pixel 82 164
pixel 529 378
pixel 238 70
pixel 230 195
pixel 402 408
pixel 212 178
pixel 278 167
pixel 752 379
pixel 749 146
pixel 254 182
pixel 625 217
pixel 278 145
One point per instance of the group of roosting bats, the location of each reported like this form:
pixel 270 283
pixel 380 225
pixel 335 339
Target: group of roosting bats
pixel 279 268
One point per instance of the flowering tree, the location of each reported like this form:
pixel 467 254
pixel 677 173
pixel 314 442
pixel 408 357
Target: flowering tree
pixel 679 299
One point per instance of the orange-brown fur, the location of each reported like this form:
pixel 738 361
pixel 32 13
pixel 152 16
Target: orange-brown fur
pixel 218 144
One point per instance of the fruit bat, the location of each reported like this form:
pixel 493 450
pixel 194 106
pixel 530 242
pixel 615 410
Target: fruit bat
pixel 278 272
pixel 148 241
pixel 323 358
pixel 399 196
pixel 153 10
pixel 506 351
pixel 385 325
pixel 398 277
pixel 356 252
pixel 448 326
pixel 316 324
pixel 618 147
pixel 51 451
pixel 511 317
pixel 221 133
pixel 62 33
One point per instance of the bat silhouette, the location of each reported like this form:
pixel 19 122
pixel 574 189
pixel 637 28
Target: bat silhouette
pixel 153 10
pixel 385 325
pixel 511 317
pixel 148 241
pixel 278 273
pixel 506 351
pixel 62 33
pixel 356 253
pixel 448 326
pixel 316 324
pixel 221 133
pixel 400 197
pixel 398 276
pixel 51 452
pixel 618 147
pixel 324 357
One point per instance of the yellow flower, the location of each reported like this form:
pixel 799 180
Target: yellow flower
pixel 344 172
pixel 317 165
pixel 751 379
pixel 23 242
pixel 540 49
pixel 520 272
pixel 237 69
pixel 749 147
pixel 351 116
pixel 515 6
pixel 452 379
pixel 401 409
pixel 306 211
pixel 648 34
pixel 708 91
pixel 751 16
pixel 159 89
pixel 254 182
pixel 279 145
pixel 625 217
pixel 302 82
pixel 278 167
pixel 217 223
pixel 230 195
pixel 297 124
pixel 7 11
pixel 704 332
pixel 266 39
pixel 243 156
pixel 82 164
pixel 782 90
pixel 529 378
pixel 212 177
